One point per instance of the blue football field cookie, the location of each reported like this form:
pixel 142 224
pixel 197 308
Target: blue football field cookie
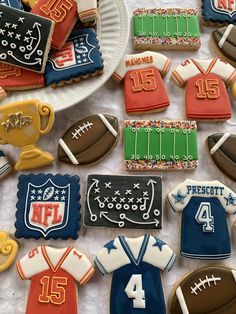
pixel 48 206
pixel 78 58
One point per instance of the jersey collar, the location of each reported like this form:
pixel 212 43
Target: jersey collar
pixel 45 254
pixel 129 253
pixel 208 70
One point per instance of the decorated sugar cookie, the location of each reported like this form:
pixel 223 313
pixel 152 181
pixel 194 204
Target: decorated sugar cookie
pixel 15 78
pixel 234 90
pixel 218 12
pixel 133 202
pixel 21 124
pixel 8 250
pixel 63 13
pixel 54 274
pixel 222 149
pixel 224 40
pixel 87 10
pixel 205 81
pixel 167 29
pixel 27 39
pixel 206 290
pixel 204 229
pixel 16 4
pixel 89 140
pixel 3 94
pixel 144 89
pixel 48 206
pixel 79 58
pixel 5 165
pixel 160 145
pixel 136 264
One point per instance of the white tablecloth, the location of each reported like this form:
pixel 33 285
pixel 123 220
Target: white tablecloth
pixel 94 296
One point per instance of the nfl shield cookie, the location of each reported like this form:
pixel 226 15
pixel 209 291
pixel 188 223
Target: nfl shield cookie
pixel 218 11
pixel 48 206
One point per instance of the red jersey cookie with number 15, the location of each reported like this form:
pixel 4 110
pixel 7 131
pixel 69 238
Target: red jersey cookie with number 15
pixel 206 97
pixel 63 13
pixel 54 273
pixel 143 84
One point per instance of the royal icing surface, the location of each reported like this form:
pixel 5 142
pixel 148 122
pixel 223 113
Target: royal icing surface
pixel 206 96
pixel 79 56
pixel 54 274
pixel 21 124
pixel 16 4
pixel 222 150
pixel 48 206
pixel 24 38
pixel 159 144
pixel 8 250
pixel 124 202
pixel 63 13
pixel 136 265
pixel 89 140
pixel 87 10
pixel 208 289
pixel 203 206
pixel 14 78
pixel 225 41
pixel 173 28
pixel 143 84
pixel 219 11
pixel 5 166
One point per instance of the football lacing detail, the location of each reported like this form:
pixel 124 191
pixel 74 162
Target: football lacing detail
pixel 81 129
pixel 202 284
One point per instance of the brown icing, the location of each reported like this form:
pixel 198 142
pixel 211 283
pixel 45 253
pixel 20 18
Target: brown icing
pixel 229 47
pixel 214 298
pixel 225 156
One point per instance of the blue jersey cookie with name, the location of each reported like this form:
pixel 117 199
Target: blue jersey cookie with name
pixel 219 11
pixel 79 57
pixel 12 3
pixel 204 229
pixel 48 206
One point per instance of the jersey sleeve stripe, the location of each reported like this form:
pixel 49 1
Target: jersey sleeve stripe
pixel 177 78
pixel 116 76
pixel 20 271
pixel 171 262
pixel 87 275
pixel 231 79
pixel 166 67
pixel 99 266
pixel 88 13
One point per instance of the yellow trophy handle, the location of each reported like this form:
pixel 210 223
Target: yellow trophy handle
pixel 2 141
pixel 47 110
pixel 8 248
pixel 234 90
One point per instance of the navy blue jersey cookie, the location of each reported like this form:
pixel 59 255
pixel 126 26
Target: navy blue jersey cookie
pixel 78 58
pixel 48 206
pixel 13 3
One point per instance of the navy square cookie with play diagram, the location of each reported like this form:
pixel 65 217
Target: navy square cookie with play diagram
pixel 48 206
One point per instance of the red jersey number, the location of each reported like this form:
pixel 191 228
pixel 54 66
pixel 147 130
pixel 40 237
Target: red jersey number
pixel 143 80
pixel 53 290
pixel 208 89
pixel 56 9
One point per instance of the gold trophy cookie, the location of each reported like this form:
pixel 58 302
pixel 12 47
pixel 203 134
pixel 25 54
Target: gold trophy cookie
pixel 21 124
pixel 234 90
pixel 8 250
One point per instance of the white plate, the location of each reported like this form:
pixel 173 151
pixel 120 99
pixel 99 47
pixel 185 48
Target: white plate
pixel 113 31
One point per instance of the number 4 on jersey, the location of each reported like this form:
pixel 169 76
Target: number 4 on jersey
pixel 134 290
pixel 204 217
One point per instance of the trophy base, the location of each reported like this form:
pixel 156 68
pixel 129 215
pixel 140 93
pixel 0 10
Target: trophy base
pixel 33 158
